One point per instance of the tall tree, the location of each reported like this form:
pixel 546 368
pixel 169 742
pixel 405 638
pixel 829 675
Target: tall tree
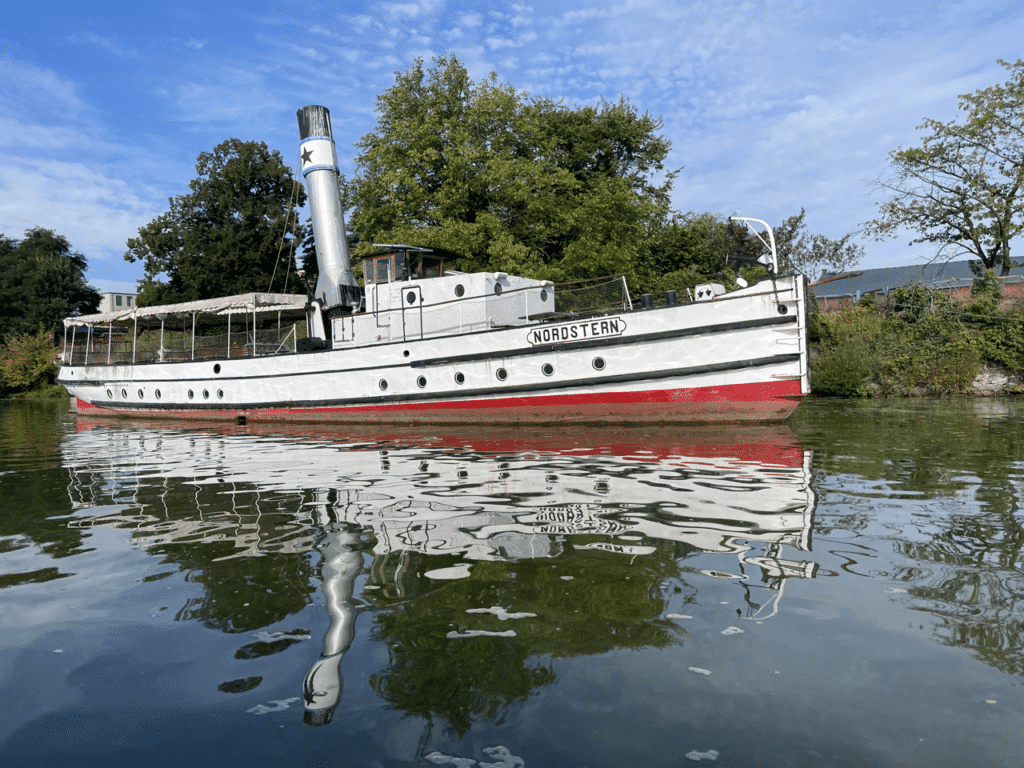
pixel 961 189
pixel 516 184
pixel 809 254
pixel 235 231
pixel 41 281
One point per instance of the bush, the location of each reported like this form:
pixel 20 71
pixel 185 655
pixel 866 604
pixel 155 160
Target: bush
pixel 845 363
pixel 843 370
pixel 919 342
pixel 27 363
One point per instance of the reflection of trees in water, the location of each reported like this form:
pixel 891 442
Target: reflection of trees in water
pixel 974 587
pixel 586 602
pixel 956 472
pixel 247 549
pixel 34 487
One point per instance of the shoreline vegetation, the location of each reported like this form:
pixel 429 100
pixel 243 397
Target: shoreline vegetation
pixel 915 342
pixel 919 342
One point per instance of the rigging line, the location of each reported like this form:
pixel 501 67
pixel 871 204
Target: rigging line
pixel 280 244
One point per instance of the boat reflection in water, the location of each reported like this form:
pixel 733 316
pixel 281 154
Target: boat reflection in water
pixel 428 507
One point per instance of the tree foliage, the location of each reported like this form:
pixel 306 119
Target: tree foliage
pixel 234 232
pixel 809 254
pixel 961 189
pixel 27 362
pixel 42 280
pixel 689 249
pixel 514 183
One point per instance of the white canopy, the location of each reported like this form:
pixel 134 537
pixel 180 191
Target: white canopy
pixel 245 302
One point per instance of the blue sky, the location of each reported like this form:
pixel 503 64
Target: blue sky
pixel 769 107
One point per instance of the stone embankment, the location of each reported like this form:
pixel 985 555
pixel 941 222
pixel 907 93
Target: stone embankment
pixel 993 381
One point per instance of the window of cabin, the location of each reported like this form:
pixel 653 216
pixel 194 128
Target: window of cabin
pixel 402 266
pixel 430 266
pixel 377 270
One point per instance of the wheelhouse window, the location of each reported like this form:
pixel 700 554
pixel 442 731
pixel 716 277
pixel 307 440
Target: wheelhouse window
pixel 401 265
pixel 379 269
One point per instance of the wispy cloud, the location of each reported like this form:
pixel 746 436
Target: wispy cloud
pixel 104 43
pixel 413 10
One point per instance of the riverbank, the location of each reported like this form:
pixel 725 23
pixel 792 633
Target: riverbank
pixel 918 342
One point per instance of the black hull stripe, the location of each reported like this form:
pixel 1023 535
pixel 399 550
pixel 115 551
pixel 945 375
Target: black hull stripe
pixel 465 394
pixel 499 355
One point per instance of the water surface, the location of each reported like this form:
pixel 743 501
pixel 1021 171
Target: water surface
pixel 841 591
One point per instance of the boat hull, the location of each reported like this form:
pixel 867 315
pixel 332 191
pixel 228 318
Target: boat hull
pixel 739 358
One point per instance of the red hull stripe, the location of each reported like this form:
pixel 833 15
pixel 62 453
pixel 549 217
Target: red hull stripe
pixel 736 393
pixel 768 399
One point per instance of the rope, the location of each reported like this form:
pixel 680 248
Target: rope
pixel 280 245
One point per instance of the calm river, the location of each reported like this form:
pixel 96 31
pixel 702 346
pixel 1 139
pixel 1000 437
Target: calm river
pixel 847 590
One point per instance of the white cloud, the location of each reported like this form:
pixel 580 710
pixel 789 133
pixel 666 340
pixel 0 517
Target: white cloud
pixel 412 10
pixel 105 43
pixel 92 206
pixel 26 88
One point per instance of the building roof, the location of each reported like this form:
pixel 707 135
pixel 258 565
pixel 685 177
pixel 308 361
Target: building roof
pixel 939 274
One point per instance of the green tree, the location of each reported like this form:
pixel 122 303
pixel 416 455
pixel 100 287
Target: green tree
pixel 41 281
pixel 961 189
pixel 235 231
pixel 516 184
pixel 689 249
pixel 809 254
pixel 27 362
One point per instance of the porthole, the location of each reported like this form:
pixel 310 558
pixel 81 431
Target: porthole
pixel 206 394
pixel 124 393
pixel 405 353
pixel 383 384
pixel 411 297
pixel 547 369
pixel 110 394
pixel 599 363
pixel 543 294
pixel 460 378
pixel 216 368
pixel 140 394
pixel 421 382
pixel 460 290
pixel 220 394
pixel 502 374
pixel 191 394
pixel 157 393
pixel 497 289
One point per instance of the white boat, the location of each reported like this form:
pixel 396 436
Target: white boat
pixel 421 342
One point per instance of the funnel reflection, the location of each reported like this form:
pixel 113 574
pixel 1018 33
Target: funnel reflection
pixel 341 564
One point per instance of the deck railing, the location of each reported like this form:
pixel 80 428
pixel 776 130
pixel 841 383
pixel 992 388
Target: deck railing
pixel 214 337
pixel 113 345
